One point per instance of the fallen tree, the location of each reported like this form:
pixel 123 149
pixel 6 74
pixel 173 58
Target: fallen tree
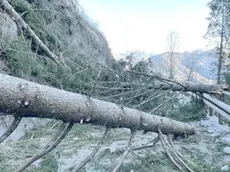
pixel 167 84
pixel 217 105
pixel 190 87
pixel 28 99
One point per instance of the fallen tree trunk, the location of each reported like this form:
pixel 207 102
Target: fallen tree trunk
pixel 168 84
pixel 28 99
pixel 226 93
pixel 189 87
pixel 220 107
pixel 185 87
pixel 217 109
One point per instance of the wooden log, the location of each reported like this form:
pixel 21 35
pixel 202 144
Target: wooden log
pixel 28 99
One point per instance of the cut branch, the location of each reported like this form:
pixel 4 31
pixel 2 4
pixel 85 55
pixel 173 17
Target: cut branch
pixel 10 10
pixel 168 153
pixel 178 153
pixel 10 130
pixel 175 153
pixel 34 100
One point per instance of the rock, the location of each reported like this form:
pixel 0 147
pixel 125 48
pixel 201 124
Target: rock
pixel 226 140
pixel 227 150
pixel 210 131
pixel 213 126
pixel 225 168
pixel 227 159
pixel 110 150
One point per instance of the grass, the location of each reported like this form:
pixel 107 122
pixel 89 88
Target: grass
pixel 203 165
pixel 82 136
pixel 158 162
pixel 48 164
pixel 150 162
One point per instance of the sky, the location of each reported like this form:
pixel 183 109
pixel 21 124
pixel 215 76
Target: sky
pixel 143 25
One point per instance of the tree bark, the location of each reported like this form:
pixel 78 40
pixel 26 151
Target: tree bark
pixel 221 46
pixel 28 99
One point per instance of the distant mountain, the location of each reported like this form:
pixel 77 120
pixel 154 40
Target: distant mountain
pixel 202 62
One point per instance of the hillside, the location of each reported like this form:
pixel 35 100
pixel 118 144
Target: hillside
pixel 60 24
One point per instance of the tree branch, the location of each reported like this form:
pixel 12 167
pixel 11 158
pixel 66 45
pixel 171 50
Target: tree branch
pixel 59 136
pixel 175 153
pixel 169 154
pixel 10 130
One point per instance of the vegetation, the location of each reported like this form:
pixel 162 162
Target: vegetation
pixel 81 74
pixel 218 33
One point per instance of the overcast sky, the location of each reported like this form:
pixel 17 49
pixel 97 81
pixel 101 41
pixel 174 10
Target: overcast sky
pixel 144 24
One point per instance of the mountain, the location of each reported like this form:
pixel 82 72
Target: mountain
pixel 202 62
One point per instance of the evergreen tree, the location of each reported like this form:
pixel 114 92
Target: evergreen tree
pixel 218 31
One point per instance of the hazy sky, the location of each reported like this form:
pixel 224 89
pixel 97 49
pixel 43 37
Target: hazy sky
pixel 144 24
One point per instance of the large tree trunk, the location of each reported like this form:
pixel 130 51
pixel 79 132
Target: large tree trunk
pixel 28 99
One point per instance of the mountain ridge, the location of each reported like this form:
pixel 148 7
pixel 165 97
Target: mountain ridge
pixel 198 62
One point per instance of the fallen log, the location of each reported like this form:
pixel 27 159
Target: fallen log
pixel 173 85
pixel 189 87
pixel 217 109
pixel 185 87
pixel 28 99
pixel 217 105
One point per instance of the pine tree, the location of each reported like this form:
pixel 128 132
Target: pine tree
pixel 218 31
